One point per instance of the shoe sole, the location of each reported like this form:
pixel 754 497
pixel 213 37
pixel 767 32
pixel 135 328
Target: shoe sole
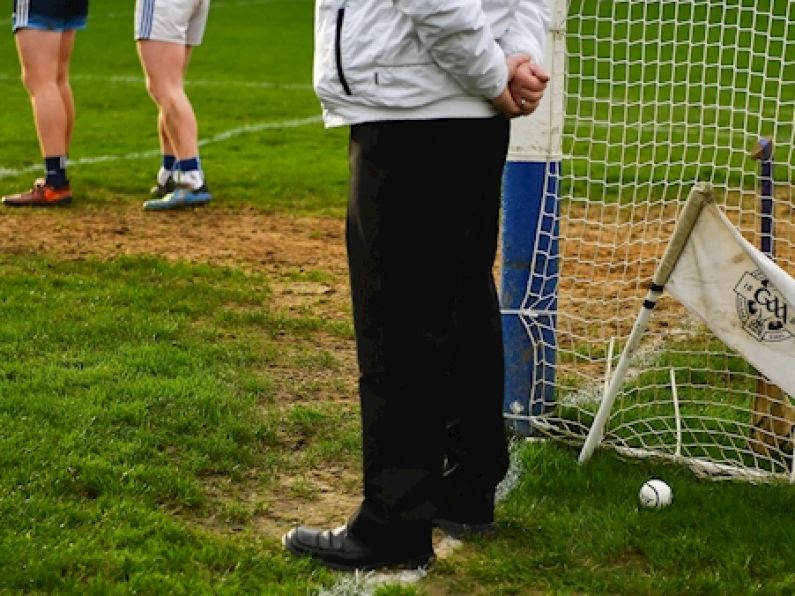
pixel 58 203
pixel 162 207
pixel 342 567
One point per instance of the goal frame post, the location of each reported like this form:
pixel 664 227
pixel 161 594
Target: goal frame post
pixel 529 260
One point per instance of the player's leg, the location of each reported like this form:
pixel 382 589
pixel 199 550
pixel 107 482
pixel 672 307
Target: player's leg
pixel 168 162
pixel 164 67
pixel 164 64
pixel 166 34
pixel 62 80
pixel 39 53
pixel 44 57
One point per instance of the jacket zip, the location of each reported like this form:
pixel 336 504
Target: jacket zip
pixel 338 51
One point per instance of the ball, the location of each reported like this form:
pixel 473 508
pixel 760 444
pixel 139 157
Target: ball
pixel 655 494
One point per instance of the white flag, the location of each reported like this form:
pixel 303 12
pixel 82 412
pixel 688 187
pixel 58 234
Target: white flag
pixel 742 295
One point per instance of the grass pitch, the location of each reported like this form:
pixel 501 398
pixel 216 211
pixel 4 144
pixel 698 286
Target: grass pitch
pixel 164 420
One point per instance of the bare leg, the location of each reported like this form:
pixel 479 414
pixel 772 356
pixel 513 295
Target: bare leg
pixel 64 59
pixel 166 147
pixel 44 57
pixel 164 64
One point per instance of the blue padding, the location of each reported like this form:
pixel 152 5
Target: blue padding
pixel 529 282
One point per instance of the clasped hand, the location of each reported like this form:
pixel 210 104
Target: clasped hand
pixel 526 84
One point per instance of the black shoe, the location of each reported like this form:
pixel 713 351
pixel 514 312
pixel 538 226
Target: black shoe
pixel 158 191
pixel 464 515
pixel 337 549
pixel 463 530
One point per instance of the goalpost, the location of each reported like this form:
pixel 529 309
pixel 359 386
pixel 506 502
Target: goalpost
pixel 657 96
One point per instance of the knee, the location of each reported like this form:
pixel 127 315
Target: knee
pixel 32 81
pixel 62 82
pixel 163 94
pixel 155 90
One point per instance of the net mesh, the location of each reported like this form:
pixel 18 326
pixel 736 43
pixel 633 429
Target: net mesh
pixel 660 95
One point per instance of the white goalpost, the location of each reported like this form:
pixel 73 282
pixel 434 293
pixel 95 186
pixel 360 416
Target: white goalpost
pixel 660 97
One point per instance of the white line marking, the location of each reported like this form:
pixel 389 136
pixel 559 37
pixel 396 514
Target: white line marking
pixel 139 80
pixel 218 138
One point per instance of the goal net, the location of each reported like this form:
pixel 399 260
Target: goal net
pixel 659 96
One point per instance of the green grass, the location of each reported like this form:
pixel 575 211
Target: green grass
pixel 162 422
pixel 126 386
pixel 573 529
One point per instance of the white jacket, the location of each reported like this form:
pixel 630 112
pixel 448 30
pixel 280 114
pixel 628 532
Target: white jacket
pixel 418 59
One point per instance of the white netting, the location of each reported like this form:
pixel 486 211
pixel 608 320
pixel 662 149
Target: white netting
pixel 661 94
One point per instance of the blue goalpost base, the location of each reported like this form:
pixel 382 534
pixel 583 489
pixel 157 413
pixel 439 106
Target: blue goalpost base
pixel 528 289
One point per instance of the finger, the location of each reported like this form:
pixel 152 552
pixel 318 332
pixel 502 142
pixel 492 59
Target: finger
pixel 506 104
pixel 530 88
pixel 539 72
pixel 533 97
pixel 529 96
pixel 529 104
pixel 528 80
pixel 514 61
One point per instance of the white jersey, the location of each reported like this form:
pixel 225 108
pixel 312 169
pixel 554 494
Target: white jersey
pixel 177 21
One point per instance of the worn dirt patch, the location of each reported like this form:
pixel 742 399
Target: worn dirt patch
pixel 246 238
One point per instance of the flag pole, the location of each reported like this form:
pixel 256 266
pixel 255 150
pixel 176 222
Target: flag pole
pixel 700 195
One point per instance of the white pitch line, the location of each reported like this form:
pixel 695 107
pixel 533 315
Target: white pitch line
pixel 218 138
pixel 139 80
pixel 199 82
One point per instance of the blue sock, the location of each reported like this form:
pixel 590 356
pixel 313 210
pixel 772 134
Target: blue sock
pixel 168 162
pixel 186 165
pixel 55 171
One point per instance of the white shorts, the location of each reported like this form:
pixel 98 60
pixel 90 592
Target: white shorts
pixel 177 21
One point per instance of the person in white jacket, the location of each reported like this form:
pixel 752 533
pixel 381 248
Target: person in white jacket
pixel 428 90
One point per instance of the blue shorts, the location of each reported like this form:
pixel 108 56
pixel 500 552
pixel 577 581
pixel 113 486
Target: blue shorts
pixel 49 15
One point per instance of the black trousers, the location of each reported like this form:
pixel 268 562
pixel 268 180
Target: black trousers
pixel 422 229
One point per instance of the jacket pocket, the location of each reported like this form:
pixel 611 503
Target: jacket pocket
pixel 370 34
